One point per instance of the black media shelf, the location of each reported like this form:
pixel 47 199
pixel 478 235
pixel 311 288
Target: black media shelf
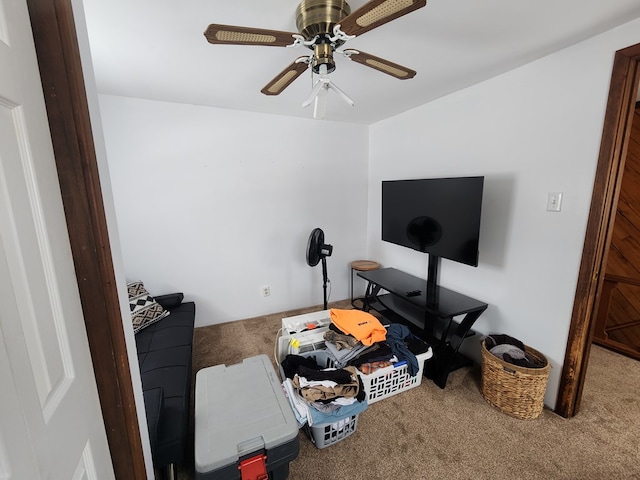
pixel 431 312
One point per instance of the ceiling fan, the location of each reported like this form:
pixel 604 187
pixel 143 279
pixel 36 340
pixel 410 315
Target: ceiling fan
pixel 324 26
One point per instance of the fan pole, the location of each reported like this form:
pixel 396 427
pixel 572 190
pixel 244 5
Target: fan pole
pixel 324 280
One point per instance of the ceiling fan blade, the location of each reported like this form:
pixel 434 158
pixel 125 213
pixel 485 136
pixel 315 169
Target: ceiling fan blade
pixel 234 35
pixel 376 13
pixel 384 66
pixel 286 77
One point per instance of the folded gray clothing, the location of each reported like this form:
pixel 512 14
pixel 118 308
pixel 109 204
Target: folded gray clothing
pixel 340 340
pixel 345 355
pixel 515 355
pixel 511 350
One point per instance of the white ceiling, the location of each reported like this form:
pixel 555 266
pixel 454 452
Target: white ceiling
pixel 155 49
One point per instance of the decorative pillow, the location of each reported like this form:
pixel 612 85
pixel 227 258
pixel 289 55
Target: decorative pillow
pixel 144 309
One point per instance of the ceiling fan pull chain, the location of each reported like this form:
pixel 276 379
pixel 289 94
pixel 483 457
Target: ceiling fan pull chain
pixel 317 86
pixel 311 70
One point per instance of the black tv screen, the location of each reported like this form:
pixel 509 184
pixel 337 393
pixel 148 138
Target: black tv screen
pixel 438 216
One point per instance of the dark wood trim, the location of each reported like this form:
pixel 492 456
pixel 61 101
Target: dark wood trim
pixel 615 135
pixel 66 102
pixel 622 279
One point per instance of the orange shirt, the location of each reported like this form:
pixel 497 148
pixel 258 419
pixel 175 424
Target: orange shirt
pixel 362 325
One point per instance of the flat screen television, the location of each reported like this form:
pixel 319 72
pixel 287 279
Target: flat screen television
pixel 438 216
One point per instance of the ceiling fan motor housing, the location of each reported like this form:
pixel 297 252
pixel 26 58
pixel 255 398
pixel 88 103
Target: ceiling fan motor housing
pixel 316 18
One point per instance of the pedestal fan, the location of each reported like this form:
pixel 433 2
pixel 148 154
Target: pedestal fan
pixel 317 250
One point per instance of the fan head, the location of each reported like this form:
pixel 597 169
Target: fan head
pixel 316 248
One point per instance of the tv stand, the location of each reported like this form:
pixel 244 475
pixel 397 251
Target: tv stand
pixel 430 314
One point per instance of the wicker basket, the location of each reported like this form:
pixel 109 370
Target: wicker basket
pixel 515 390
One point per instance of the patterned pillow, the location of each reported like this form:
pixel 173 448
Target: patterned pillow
pixel 144 309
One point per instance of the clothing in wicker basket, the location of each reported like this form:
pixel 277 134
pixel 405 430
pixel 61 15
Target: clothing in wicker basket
pixel 515 390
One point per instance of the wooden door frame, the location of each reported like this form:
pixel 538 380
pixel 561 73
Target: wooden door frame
pixel 608 179
pixel 61 73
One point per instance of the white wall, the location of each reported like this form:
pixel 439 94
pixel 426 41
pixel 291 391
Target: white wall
pixel 219 203
pixel 534 130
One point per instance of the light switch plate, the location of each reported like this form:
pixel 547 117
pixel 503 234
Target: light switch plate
pixel 554 201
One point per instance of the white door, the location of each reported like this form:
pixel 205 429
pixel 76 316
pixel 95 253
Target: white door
pixel 51 425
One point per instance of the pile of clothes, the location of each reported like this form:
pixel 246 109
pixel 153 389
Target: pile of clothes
pixel 511 350
pixel 357 338
pixel 322 395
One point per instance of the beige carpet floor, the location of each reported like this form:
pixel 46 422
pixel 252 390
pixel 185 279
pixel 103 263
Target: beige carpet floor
pixel 453 433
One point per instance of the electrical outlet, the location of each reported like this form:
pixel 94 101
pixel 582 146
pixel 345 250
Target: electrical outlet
pixel 266 291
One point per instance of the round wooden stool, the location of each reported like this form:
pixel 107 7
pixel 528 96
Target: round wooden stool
pixel 361 266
